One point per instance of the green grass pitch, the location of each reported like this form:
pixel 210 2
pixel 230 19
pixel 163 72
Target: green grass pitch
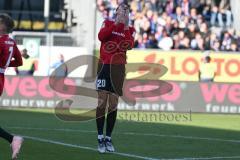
pixel 204 136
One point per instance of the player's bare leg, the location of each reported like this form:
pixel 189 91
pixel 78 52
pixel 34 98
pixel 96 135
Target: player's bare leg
pixel 111 119
pixel 100 119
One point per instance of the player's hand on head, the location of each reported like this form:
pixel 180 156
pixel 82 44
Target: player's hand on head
pixel 122 15
pixel 122 18
pixel 119 19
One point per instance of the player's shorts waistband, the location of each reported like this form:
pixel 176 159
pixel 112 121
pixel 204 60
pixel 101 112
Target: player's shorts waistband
pixel 2 70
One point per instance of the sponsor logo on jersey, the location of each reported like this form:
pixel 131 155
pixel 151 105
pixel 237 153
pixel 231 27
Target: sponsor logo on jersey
pixel 118 34
pixel 9 42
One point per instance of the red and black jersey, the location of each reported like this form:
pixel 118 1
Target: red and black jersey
pixel 115 41
pixel 10 56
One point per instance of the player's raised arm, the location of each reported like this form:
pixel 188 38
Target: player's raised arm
pixel 17 58
pixel 131 37
pixel 105 31
pixel 108 27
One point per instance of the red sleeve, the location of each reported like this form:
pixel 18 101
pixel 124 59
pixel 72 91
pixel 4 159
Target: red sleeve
pixel 131 36
pixel 1 48
pixel 106 30
pixel 17 58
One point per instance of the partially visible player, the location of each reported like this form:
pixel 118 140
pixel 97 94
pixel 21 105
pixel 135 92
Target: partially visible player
pixel 10 56
pixel 116 38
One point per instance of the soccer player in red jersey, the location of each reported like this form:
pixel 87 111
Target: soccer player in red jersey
pixel 116 38
pixel 10 56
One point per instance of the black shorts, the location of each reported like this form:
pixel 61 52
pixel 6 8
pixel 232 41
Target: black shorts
pixel 110 77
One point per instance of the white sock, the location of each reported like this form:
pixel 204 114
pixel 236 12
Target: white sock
pixel 100 136
pixel 109 138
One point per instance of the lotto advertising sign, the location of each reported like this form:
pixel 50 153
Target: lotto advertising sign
pixel 184 65
pixel 35 92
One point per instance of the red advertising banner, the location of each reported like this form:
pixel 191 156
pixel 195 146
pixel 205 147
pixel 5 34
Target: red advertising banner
pixel 35 92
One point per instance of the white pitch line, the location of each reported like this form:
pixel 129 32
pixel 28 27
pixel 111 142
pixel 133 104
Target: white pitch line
pixel 87 148
pixel 209 158
pixel 134 134
pixel 183 137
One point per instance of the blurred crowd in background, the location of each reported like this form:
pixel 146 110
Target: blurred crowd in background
pixel 179 24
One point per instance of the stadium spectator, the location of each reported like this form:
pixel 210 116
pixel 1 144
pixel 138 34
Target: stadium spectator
pixel 28 67
pixel 60 67
pixel 176 41
pixel 191 30
pixel 139 43
pixel 152 42
pixel 185 7
pixel 226 42
pixel 219 11
pixel 216 46
pixel 166 42
pixel 207 70
pixel 193 17
pixel 197 43
pixel 178 15
pixel 234 47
